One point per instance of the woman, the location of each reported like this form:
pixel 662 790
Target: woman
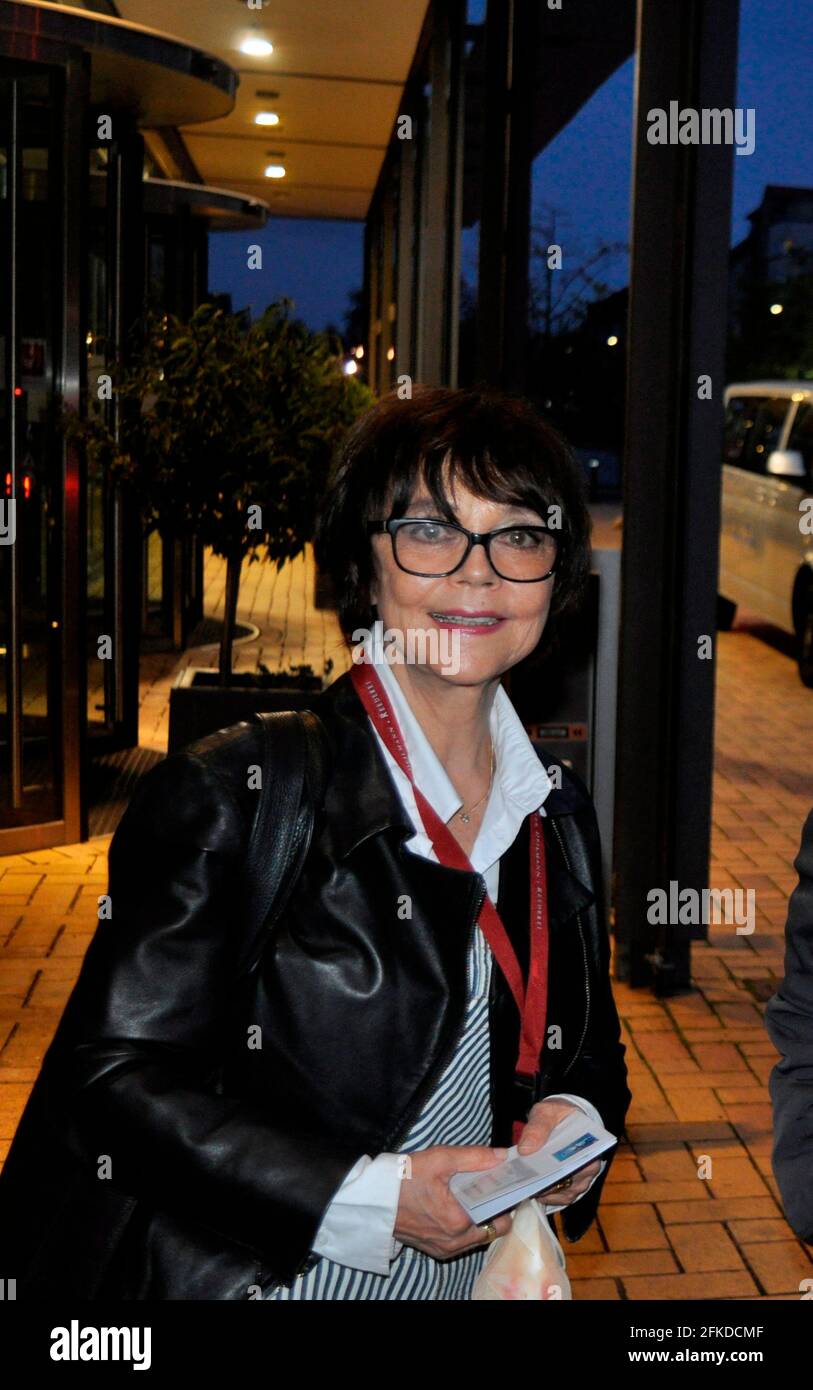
pixel 438 984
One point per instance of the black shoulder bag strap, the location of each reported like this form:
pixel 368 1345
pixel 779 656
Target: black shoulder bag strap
pixel 294 776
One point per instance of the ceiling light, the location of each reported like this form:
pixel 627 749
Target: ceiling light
pixel 266 118
pixel 275 171
pixel 256 48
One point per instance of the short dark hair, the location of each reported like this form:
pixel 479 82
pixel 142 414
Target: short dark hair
pixel 499 447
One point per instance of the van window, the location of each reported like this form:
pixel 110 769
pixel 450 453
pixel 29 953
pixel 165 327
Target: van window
pixel 752 427
pixel 801 438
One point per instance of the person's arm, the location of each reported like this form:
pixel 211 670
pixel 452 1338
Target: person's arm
pixel 357 1228
pixel 789 1023
pixel 145 1027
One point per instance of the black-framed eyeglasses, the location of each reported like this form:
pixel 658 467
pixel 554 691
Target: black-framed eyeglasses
pixel 433 549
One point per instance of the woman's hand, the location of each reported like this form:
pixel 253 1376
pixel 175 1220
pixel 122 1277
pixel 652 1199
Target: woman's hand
pixel 429 1216
pixel 543 1118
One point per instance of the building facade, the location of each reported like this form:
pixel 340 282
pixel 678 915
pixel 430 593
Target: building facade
pixel 91 231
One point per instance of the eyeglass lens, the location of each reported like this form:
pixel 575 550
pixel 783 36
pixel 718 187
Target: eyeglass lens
pixel 432 548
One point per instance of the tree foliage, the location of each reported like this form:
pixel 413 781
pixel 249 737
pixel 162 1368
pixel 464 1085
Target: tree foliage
pixel 226 431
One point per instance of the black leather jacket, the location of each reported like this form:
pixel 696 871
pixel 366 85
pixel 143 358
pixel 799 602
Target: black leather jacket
pixel 163 1153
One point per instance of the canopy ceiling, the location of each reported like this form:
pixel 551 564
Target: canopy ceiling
pixel 338 71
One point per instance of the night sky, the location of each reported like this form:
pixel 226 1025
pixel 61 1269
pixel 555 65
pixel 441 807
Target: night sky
pixel 584 175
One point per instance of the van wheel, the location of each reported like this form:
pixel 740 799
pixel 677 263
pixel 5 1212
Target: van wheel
pixel 726 613
pixel 806 642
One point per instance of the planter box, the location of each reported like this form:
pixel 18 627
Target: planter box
pixel 199 704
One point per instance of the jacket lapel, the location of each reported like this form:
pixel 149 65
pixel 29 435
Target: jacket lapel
pixel 567 895
pixel 513 903
pixel 362 800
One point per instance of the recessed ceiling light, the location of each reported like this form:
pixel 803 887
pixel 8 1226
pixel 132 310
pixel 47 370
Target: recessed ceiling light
pixel 275 171
pixel 256 48
pixel 266 118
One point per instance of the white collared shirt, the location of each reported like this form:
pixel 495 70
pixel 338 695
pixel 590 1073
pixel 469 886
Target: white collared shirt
pixel 357 1227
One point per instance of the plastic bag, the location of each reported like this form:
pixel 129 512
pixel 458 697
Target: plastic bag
pixel 527 1262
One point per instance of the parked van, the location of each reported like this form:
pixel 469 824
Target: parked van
pixel 766 549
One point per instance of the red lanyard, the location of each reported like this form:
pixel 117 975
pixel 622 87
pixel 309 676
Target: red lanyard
pixel 531 1003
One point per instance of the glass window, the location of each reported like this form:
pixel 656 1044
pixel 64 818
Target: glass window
pixel 156 271
pixel 473 122
pixel 421 136
pixel 753 426
pixel 801 436
pixel 30 455
pixel 738 421
pixel 99 359
pixel 392 307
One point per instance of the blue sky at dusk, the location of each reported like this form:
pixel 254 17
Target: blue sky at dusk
pixel 584 175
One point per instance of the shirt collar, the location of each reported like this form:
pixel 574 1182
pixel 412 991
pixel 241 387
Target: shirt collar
pixel 521 782
pixel 361 798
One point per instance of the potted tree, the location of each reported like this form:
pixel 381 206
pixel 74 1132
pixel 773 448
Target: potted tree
pixel 226 431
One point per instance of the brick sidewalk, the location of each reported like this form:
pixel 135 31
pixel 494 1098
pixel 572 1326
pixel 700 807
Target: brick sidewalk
pixel 698 1064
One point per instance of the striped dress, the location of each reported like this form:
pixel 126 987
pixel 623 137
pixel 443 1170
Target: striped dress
pixel 458 1112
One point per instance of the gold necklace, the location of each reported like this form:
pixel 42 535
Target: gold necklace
pixel 465 816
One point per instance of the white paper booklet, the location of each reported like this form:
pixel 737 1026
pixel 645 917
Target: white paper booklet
pixel 575 1142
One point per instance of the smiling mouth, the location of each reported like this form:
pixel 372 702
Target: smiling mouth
pixel 467 620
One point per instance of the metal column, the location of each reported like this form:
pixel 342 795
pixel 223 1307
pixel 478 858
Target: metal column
pixel 687 51
pixel 72 385
pixel 126 230
pixel 502 319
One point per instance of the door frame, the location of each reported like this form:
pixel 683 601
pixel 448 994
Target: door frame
pixel 69 69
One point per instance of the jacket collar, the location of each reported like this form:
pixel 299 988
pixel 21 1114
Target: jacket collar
pixel 361 796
